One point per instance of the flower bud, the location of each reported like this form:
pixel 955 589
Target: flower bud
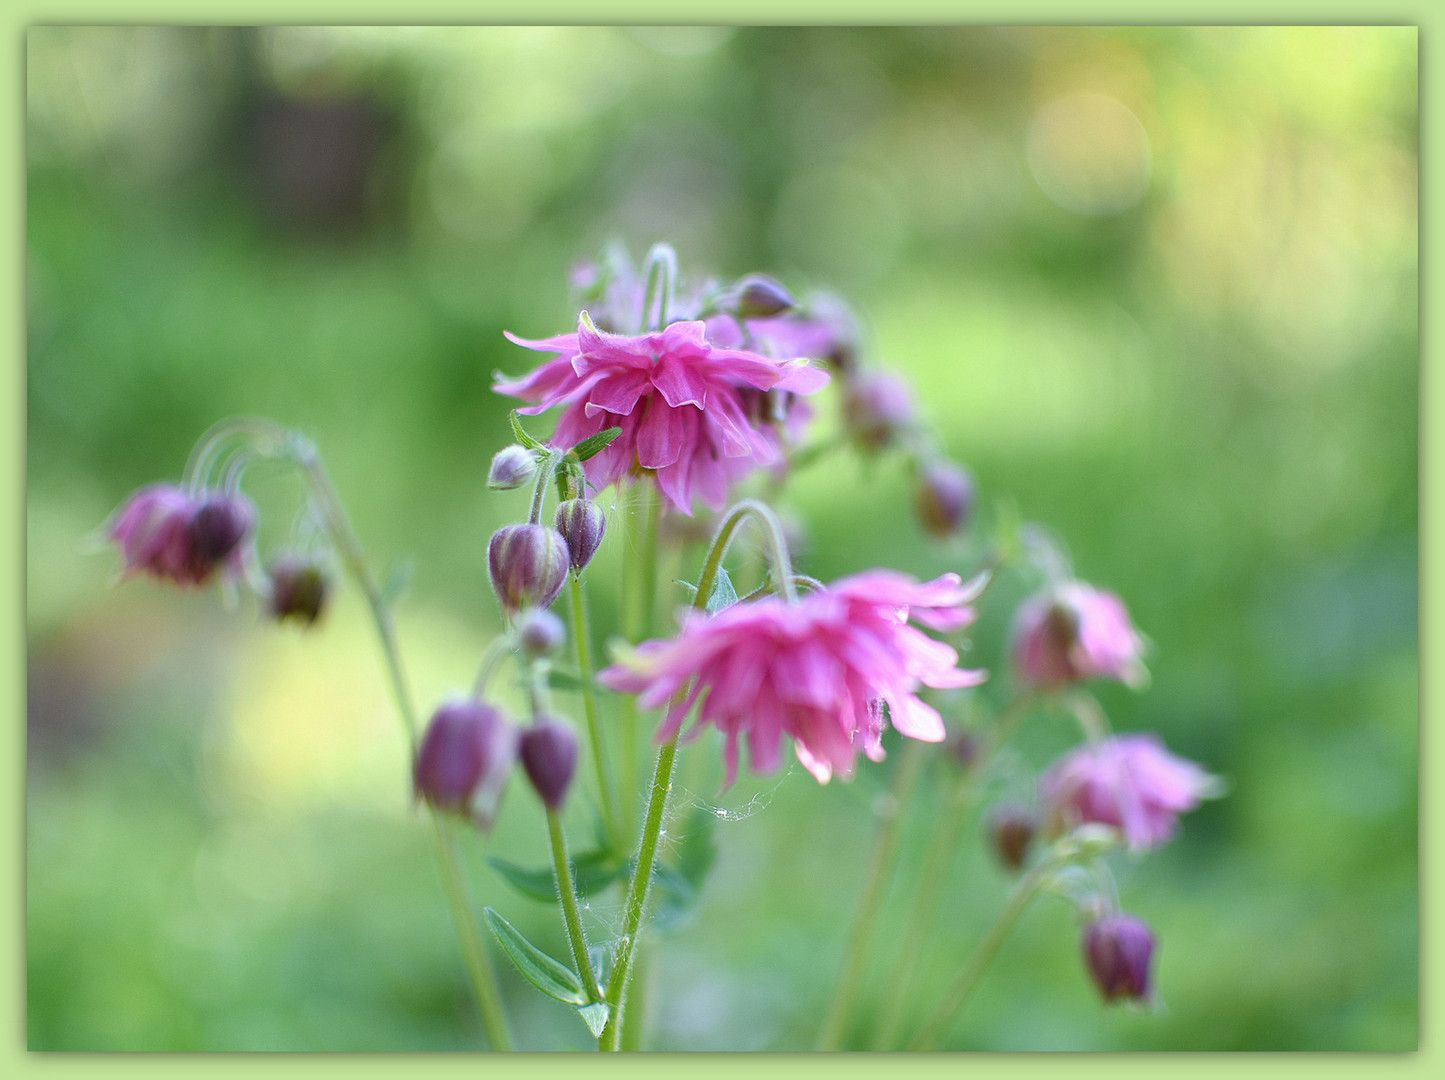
pixel 945 497
pixel 298 590
pixel 582 524
pixel 540 632
pixel 1074 633
pixel 465 756
pixel 512 467
pixel 528 565
pixel 1117 952
pixel 1011 829
pixel 759 296
pixel 220 524
pixel 549 756
pixel 877 405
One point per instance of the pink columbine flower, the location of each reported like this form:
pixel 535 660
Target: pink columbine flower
pixel 1073 633
pixel 819 670
pixel 172 535
pixel 681 401
pixel 1130 782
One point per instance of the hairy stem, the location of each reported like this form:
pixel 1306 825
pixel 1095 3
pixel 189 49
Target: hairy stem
pixel 571 916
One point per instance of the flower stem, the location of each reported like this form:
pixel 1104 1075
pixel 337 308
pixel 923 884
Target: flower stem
pixel 638 599
pixel 567 891
pixel 582 634
pixel 880 869
pixel 484 981
pixel 937 1024
pixel 929 893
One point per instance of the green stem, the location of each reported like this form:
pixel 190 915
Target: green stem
pixel 582 634
pixel 937 1024
pixel 484 981
pixel 567 891
pixel 880 869
pixel 639 597
pixel 937 862
pixel 544 480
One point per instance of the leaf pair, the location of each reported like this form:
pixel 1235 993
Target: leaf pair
pixel 552 977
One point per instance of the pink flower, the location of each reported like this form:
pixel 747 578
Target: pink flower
pixel 172 535
pixel 820 670
pixel 1074 633
pixel 682 403
pixel 1130 782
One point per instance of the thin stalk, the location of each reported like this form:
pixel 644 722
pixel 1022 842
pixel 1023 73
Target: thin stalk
pixel 962 798
pixel 639 596
pixel 567 890
pixel 606 785
pixel 937 1025
pixel 484 980
pixel 880 869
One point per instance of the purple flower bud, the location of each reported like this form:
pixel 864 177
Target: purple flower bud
pixel 549 755
pixel 165 532
pixel 1011 829
pixel 759 296
pixel 528 565
pixel 540 632
pixel 1075 633
pixel 877 405
pixel 582 524
pixel 220 524
pixel 465 756
pixel 298 590
pixel 945 497
pixel 1117 952
pixel 512 467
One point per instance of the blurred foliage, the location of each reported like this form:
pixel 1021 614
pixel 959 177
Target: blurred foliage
pixel 1157 286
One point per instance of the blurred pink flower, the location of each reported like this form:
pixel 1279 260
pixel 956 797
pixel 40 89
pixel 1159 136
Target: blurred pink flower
pixel 820 670
pixel 1074 633
pixel 1128 781
pixel 678 399
pixel 172 535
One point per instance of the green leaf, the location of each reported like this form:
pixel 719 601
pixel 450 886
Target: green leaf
pixel 723 593
pixel 592 871
pixel 595 444
pixel 521 433
pixel 566 679
pixel 554 979
pixel 595 1016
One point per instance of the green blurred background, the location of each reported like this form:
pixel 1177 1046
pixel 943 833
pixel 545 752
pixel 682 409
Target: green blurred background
pixel 1157 286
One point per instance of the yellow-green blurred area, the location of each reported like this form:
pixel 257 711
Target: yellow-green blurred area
pixel 1157 287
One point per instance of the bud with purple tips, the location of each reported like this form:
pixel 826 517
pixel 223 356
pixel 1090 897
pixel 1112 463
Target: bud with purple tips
pixel 164 531
pixel 465 756
pixel 528 565
pixel 945 497
pixel 219 526
pixel 1117 951
pixel 1011 829
pixel 512 467
pixel 759 296
pixel 298 590
pixel 540 632
pixel 582 525
pixel 549 756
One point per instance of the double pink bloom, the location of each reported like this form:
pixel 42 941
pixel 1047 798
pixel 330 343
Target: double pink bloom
pixel 688 410
pixel 820 670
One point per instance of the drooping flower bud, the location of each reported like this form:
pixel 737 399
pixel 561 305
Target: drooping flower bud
pixel 1011 829
pixel 298 589
pixel 877 405
pixel 945 497
pixel 220 524
pixel 528 565
pixel 1075 633
pixel 549 756
pixel 582 524
pixel 759 296
pixel 540 632
pixel 465 756
pixel 512 467
pixel 1117 951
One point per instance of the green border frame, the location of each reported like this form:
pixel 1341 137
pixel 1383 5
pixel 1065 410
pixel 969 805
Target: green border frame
pixel 13 1054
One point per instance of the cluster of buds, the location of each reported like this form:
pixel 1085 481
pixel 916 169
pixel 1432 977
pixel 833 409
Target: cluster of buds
pixel 175 536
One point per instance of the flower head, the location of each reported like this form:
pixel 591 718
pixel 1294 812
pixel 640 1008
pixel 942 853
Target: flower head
pixel 678 398
pixel 170 534
pixel 1074 633
pixel 464 759
pixel 826 670
pixel 1128 781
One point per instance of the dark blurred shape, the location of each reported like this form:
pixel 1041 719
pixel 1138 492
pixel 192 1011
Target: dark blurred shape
pixel 298 590
pixel 1011 830
pixel 1117 951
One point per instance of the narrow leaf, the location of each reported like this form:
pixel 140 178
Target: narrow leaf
pixel 521 433
pixel 592 871
pixel 595 444
pixel 595 1016
pixel 554 979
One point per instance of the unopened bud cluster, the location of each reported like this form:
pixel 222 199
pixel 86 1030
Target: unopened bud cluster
pixel 175 536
